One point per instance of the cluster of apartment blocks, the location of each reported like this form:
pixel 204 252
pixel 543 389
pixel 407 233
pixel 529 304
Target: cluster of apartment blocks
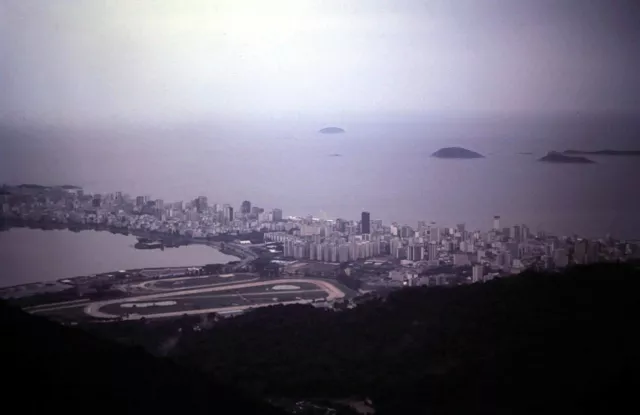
pixel 412 278
pixel 333 249
pixel 506 249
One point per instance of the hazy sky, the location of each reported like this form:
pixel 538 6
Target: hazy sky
pixel 86 60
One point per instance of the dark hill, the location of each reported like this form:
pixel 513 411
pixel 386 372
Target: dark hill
pixel 527 344
pixel 456 153
pixel 555 157
pixel 52 368
pixel 331 130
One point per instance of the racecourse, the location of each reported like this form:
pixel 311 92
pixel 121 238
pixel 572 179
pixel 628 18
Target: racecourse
pixel 219 291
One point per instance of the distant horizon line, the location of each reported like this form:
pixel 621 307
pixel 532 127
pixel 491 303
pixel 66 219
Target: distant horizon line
pixel 321 118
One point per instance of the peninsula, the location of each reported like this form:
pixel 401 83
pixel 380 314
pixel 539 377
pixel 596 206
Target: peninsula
pixel 606 152
pixel 555 157
pixel 331 130
pixel 456 153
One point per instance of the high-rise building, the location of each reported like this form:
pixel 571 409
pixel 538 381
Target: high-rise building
pixel 433 251
pixel 365 223
pixel 139 201
pixel 580 252
pixel 477 273
pixel 560 258
pixel 245 208
pixel 201 204
pixel 228 213
pixel 496 223
pixel 415 253
pixel 277 215
pixel 516 234
pixel 406 232
pixel 433 232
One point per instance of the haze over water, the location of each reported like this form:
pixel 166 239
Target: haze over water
pixel 385 168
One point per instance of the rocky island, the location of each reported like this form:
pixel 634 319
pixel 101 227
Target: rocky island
pixel 555 157
pixel 331 130
pixel 456 153
pixel 606 152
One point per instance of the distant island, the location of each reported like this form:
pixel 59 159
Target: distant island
pixel 331 130
pixel 606 152
pixel 555 157
pixel 335 155
pixel 456 153
pixel 525 153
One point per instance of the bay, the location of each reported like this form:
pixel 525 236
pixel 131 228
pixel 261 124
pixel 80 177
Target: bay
pixel 385 167
pixel 31 255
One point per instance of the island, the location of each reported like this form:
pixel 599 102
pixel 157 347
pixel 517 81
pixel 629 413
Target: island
pixel 335 155
pixel 456 153
pixel 606 152
pixel 555 157
pixel 331 130
pixel 525 153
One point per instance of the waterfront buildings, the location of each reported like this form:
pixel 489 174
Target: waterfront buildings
pixel 498 251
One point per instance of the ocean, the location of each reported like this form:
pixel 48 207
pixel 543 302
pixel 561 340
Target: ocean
pixel 384 167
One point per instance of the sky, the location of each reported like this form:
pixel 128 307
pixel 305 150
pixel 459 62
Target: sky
pixel 89 60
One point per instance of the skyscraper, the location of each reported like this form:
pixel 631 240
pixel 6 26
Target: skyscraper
pixel 516 235
pixel 433 251
pixel 245 208
pixel 365 223
pixel 228 213
pixel 496 223
pixel 201 204
pixel 478 273
pixel 277 215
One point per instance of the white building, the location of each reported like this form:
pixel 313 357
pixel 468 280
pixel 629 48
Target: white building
pixel 477 273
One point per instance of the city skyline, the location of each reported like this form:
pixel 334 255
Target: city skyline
pixel 202 201
pixel 501 250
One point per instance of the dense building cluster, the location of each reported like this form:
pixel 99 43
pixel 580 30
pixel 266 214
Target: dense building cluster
pixel 432 254
pixel 486 253
pixel 70 205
